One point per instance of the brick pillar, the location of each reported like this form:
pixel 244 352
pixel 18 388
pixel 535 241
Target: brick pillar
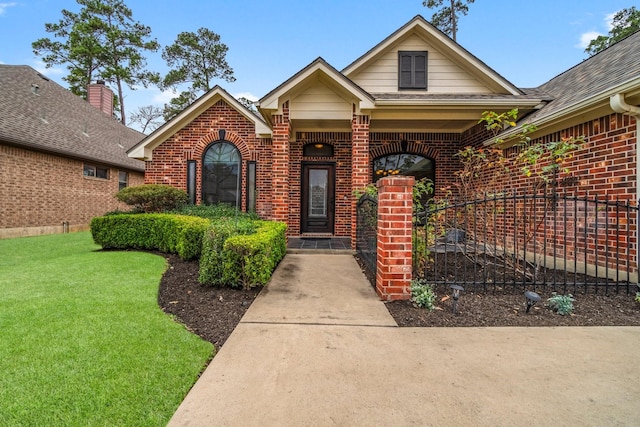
pixel 395 206
pixel 280 165
pixel 360 173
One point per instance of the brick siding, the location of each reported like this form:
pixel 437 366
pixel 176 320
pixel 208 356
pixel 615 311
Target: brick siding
pixel 169 164
pixel 394 243
pixel 604 167
pixel 39 190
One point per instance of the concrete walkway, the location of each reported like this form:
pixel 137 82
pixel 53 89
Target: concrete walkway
pixel 317 348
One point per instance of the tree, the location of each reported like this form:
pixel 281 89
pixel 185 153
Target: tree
pixel 248 104
pixel 147 117
pixel 80 52
pixel 101 41
pixel 625 22
pixel 195 59
pixel 446 19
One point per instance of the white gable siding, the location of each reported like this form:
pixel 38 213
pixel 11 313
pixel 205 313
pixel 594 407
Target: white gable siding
pixel 444 76
pixel 319 102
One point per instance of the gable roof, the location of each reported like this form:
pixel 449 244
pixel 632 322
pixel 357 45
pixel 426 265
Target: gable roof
pixel 391 109
pixel 446 46
pixel 588 86
pixel 38 114
pixel 144 149
pixel 319 68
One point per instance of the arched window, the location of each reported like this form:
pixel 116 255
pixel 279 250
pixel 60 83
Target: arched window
pixel 404 164
pixel 221 174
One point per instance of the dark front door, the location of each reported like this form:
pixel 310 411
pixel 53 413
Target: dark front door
pixel 318 198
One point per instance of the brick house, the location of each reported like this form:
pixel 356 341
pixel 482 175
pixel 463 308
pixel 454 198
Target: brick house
pixel 61 158
pixel 404 107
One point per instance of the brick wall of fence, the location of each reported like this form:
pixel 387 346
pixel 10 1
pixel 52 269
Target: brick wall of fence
pixel 394 243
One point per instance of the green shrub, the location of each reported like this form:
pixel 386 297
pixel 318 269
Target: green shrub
pixel 212 265
pixel 422 294
pixel 153 197
pixel 233 256
pixel 164 232
pixel 563 304
pixel 637 297
pixel 214 212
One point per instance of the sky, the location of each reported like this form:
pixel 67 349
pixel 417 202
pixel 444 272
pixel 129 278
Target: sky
pixel 527 42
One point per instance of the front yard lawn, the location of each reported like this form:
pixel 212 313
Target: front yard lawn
pixel 82 339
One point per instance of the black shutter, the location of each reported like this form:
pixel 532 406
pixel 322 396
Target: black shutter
pixel 412 70
pixel 406 66
pixel 420 73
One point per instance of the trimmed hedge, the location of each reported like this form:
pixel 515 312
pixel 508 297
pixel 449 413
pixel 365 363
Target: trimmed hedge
pixel 168 233
pixel 231 257
pixel 153 197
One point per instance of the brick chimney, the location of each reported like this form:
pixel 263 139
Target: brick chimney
pixel 100 97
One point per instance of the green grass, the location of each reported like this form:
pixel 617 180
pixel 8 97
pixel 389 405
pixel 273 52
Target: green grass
pixel 82 339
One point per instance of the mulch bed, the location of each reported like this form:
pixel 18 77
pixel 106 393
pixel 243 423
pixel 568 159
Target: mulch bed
pixel 213 313
pixel 210 312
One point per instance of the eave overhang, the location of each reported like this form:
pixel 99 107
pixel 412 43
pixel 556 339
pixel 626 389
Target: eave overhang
pixel 446 46
pixel 583 110
pixel 144 149
pixel 318 70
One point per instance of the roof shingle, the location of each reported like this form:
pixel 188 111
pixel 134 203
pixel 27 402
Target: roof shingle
pixel 37 113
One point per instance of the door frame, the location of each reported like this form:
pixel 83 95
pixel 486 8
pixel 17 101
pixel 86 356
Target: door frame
pixel 331 197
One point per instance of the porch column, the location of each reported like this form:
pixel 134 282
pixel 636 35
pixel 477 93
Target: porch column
pixel 280 165
pixel 394 246
pixel 360 174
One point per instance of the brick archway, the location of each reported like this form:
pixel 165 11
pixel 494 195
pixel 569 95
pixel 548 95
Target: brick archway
pixel 201 146
pixel 412 147
pixel 219 135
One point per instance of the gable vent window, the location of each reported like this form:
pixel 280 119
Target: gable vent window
pixel 412 70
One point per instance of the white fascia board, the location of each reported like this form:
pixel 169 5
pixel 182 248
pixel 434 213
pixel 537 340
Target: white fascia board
pixel 144 150
pixel 444 42
pixel 274 104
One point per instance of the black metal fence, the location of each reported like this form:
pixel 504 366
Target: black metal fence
pixel 513 243
pixel 367 232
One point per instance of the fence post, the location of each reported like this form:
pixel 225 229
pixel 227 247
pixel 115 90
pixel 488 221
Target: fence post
pixel 394 244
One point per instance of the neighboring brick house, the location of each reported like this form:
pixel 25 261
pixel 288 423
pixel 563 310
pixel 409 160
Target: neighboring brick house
pixel 405 107
pixel 62 159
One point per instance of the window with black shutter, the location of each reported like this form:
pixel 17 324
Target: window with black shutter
pixel 412 70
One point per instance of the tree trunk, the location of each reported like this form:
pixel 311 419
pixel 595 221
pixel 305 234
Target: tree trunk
pixel 123 118
pixel 454 28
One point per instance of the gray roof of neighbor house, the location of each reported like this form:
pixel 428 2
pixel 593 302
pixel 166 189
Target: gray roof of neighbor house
pixel 38 114
pixel 607 70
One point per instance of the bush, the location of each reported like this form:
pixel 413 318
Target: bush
pixel 153 197
pixel 164 232
pixel 423 295
pixel 563 304
pixel 235 256
pixel 215 212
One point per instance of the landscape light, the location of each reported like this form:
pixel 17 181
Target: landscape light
pixel 455 294
pixel 532 299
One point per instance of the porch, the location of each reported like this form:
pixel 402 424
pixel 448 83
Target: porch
pixel 315 244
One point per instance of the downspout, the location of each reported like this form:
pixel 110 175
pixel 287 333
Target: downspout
pixel 619 105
